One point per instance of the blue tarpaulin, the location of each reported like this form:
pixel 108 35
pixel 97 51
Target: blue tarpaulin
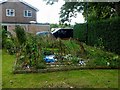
pixel 49 59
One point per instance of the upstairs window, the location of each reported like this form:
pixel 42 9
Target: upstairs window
pixel 27 13
pixel 10 12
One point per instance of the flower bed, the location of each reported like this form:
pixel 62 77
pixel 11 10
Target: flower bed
pixel 32 54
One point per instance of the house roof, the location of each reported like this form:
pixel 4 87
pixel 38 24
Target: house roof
pixel 4 1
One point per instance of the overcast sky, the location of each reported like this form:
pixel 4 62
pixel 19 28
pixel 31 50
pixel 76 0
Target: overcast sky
pixel 50 13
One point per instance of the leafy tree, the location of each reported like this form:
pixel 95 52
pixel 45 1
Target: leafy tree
pixel 50 2
pixel 68 10
pixel 90 10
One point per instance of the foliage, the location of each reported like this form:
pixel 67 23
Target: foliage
pixel 60 25
pixel 80 32
pixel 97 57
pixel 49 2
pixel 54 26
pixel 68 10
pixel 4 37
pixel 92 11
pixel 9 45
pixel 21 35
pixel 40 65
pixel 104 33
pixel 100 43
pixel 72 47
pixel 75 61
pixel 31 52
pixel 8 42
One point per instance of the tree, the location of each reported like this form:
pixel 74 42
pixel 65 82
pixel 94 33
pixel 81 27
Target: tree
pixel 91 10
pixel 50 2
pixel 95 10
pixel 69 9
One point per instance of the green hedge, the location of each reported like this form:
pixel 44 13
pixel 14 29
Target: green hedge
pixel 105 32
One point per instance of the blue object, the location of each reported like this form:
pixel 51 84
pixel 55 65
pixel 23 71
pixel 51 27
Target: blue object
pixel 49 59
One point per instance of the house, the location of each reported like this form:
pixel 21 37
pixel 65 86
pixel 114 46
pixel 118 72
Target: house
pixel 16 12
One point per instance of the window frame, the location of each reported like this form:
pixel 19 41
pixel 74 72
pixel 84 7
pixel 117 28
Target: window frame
pixel 10 10
pixel 28 11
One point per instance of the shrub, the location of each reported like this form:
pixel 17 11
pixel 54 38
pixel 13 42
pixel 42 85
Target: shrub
pixel 100 43
pixel 4 37
pixel 114 61
pixel 108 30
pixel 9 45
pixel 75 60
pixel 21 35
pixel 8 42
pixel 101 58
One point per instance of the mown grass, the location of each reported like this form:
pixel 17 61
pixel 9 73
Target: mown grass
pixel 74 78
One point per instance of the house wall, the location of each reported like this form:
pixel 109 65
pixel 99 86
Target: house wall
pixel 31 28
pixel 19 12
pixel 37 28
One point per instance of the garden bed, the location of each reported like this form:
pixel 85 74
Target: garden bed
pixel 74 78
pixel 56 68
pixel 33 54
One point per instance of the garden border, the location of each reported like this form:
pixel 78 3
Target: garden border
pixel 48 70
pixel 61 69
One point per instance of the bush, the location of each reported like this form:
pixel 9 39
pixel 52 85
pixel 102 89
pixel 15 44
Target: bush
pixel 9 45
pixel 8 42
pixel 102 58
pixel 80 32
pixel 114 61
pixel 4 37
pixel 21 35
pixel 107 30
pixel 75 60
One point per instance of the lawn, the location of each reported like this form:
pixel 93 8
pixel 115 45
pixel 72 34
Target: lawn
pixel 74 78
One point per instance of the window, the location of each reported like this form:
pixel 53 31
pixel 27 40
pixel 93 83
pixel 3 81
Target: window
pixel 10 12
pixel 27 13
